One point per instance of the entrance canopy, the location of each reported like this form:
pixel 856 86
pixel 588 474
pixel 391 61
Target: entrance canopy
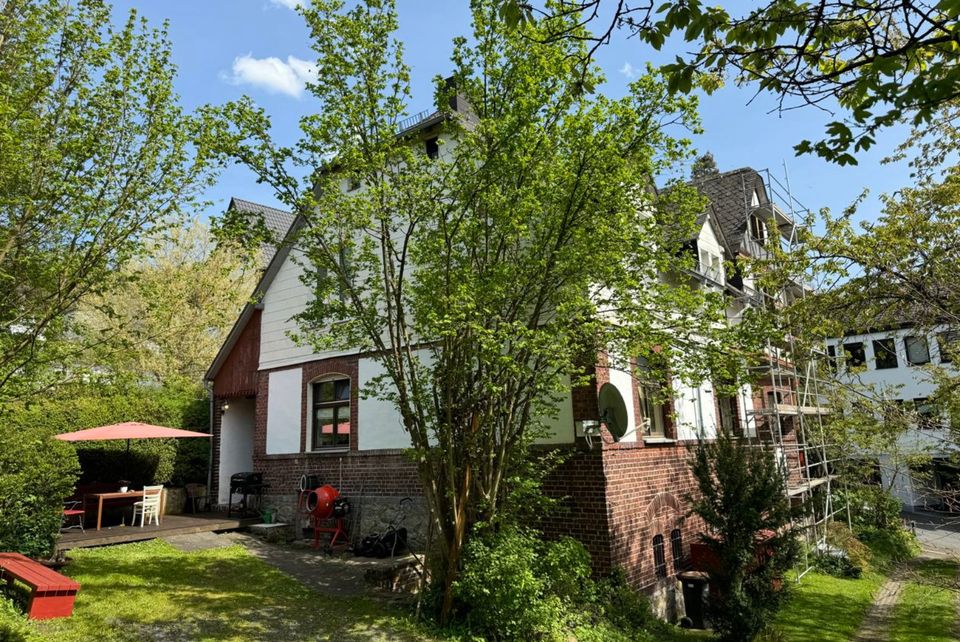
pixel 128 430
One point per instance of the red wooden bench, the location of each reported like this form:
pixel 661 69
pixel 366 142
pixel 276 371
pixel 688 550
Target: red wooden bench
pixel 51 594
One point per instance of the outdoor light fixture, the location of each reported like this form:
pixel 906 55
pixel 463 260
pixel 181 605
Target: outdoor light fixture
pixel 226 407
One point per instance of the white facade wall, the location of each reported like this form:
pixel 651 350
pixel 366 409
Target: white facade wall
pixel 284 394
pixel 906 382
pixel 236 443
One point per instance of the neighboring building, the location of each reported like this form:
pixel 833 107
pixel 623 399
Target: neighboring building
pixel 893 366
pixel 284 410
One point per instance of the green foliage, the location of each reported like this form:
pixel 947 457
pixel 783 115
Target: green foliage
pixel 37 472
pixel 13 624
pixel 152 460
pixel 94 152
pixel 840 536
pixel 623 606
pixel 742 500
pixel 889 546
pixel 870 506
pixel 506 588
pixel 881 62
pixel 503 256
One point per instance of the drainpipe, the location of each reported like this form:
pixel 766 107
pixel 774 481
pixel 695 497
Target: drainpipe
pixel 208 385
pixel 701 429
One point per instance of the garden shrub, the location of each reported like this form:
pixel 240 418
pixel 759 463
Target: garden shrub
pixel 623 606
pixel 37 473
pixel 87 406
pixel 840 536
pixel 870 506
pixel 501 590
pixel 13 624
pixel 889 545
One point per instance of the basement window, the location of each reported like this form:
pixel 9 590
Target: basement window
pixel 885 353
pixel 659 560
pixel 676 546
pixel 918 352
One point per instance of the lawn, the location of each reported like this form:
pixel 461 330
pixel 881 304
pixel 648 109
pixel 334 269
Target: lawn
pixel 927 608
pixel 152 591
pixel 823 608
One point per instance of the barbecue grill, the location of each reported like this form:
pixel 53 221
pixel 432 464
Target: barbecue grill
pixel 247 485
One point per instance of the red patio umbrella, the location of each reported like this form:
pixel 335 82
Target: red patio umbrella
pixel 128 430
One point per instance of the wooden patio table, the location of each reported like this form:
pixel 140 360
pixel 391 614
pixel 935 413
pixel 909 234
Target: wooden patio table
pixel 118 495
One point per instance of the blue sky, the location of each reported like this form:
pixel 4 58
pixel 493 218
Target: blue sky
pixel 227 48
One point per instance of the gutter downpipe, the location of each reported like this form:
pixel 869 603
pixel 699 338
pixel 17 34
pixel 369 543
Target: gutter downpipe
pixel 208 385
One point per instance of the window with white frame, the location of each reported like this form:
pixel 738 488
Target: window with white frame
pixel 330 413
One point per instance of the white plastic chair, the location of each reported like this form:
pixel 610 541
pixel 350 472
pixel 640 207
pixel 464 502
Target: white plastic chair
pixel 149 506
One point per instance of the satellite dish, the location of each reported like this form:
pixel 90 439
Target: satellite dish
pixel 613 410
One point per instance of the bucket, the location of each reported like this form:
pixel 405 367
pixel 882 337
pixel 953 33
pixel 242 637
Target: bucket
pixel 268 516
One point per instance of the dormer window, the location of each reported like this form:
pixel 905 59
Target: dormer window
pixel 758 229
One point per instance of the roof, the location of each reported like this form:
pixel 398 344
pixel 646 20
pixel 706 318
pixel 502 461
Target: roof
pixel 730 195
pixel 276 221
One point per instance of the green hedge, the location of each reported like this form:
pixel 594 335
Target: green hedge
pixel 38 472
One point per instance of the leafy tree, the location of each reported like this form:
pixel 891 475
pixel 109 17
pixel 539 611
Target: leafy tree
pixel 94 152
pixel 880 61
pixel 166 318
pixel 481 274
pixel 704 167
pixel 741 498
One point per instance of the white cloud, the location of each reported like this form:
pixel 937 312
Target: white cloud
pixel 289 4
pixel 272 74
pixel 628 70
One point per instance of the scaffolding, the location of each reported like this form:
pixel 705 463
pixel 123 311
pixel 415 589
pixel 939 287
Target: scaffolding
pixel 790 416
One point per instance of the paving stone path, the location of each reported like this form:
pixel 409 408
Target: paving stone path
pixel 328 575
pixel 876 624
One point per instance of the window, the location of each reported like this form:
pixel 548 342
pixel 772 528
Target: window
pixel 832 357
pixel 432 147
pixel 918 352
pixel 928 417
pixel 659 560
pixel 855 354
pixel 947 342
pixel 711 266
pixel 331 414
pixel 885 353
pixel 729 417
pixel 676 546
pixel 758 229
pixel 652 407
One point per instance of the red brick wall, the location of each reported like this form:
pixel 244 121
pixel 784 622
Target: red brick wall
pixel 645 488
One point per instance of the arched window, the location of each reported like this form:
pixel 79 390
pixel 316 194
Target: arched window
pixel 676 546
pixel 659 560
pixel 330 413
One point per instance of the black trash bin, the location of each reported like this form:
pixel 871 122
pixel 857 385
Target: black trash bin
pixel 695 597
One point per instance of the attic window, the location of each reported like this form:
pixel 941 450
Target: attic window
pixel 432 147
pixel 758 230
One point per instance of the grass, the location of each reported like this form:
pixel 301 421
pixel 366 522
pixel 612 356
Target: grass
pixel 927 609
pixel 152 591
pixel 823 608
